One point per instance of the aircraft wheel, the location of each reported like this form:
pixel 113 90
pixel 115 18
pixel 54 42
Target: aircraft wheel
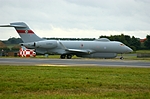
pixel 63 56
pixel 121 58
pixel 69 56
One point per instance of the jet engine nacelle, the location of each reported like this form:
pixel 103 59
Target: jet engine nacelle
pixel 45 44
pixel 99 55
pixel 41 44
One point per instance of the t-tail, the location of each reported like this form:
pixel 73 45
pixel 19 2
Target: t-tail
pixel 26 34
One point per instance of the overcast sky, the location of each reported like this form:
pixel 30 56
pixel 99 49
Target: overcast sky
pixel 77 18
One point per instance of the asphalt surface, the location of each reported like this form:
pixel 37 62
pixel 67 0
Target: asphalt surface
pixel 74 62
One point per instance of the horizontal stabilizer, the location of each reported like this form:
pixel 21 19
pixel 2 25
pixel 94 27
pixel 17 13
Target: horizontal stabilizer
pixel 12 25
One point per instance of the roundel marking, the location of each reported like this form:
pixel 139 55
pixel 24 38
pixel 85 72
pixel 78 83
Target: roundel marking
pixel 26 31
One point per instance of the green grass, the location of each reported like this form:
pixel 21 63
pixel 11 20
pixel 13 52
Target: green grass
pixel 33 82
pixel 143 51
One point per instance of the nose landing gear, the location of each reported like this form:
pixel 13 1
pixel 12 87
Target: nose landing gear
pixel 121 57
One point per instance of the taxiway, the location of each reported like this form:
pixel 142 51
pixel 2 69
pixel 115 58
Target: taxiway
pixel 74 62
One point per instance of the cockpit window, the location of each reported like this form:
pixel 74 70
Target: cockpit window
pixel 122 44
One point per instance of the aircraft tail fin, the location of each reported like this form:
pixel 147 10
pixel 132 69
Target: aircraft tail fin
pixel 26 34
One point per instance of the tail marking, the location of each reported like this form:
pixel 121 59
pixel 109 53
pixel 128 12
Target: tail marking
pixel 25 31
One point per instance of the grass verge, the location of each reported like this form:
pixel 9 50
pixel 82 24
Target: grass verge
pixel 74 82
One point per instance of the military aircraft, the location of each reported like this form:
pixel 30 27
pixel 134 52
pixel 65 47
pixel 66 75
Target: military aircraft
pixel 100 48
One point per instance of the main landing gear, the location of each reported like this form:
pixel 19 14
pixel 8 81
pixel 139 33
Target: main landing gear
pixel 63 56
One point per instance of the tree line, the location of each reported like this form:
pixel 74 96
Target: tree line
pixel 132 42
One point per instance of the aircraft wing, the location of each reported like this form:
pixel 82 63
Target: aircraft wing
pixel 78 51
pixel 75 50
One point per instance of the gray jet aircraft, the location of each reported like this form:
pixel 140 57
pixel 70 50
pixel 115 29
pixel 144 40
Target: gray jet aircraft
pixel 100 48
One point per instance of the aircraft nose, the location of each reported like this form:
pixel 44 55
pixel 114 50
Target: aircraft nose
pixel 128 49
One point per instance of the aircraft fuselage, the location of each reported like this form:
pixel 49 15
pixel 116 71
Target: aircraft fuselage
pixel 95 49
